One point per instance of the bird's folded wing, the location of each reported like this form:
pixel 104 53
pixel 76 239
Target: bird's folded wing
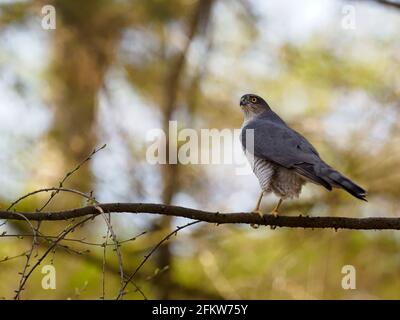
pixel 278 143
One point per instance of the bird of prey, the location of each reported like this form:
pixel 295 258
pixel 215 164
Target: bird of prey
pixel 281 158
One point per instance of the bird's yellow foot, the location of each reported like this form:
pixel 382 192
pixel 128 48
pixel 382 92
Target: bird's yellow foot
pixel 275 213
pixel 257 212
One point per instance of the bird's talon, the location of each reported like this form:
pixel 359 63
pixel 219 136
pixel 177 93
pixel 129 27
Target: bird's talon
pixel 275 213
pixel 258 212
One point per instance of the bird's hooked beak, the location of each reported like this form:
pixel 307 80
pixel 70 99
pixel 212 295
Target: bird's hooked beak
pixel 243 102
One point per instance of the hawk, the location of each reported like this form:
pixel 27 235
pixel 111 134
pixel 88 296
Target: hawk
pixel 282 159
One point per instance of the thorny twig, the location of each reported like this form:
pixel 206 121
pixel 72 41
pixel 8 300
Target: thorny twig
pixel 39 261
pixel 61 183
pixel 36 230
pixel 55 244
pixel 103 271
pixel 7 258
pixel 109 226
pixel 166 238
pixel 82 241
pixel 28 257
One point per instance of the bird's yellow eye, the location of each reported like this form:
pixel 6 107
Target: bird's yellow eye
pixel 253 99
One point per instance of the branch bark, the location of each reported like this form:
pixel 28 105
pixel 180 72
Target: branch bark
pixel 391 4
pixel 370 223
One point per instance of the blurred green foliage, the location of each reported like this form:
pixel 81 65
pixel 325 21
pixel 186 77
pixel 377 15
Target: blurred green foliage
pixel 191 60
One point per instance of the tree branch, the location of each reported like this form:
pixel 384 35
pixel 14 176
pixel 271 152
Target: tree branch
pixel 213 217
pixel 391 4
pixel 394 4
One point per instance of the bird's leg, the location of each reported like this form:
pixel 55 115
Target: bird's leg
pixel 257 208
pixel 275 211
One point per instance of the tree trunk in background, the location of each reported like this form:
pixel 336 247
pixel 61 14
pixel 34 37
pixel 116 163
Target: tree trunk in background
pixel 82 53
pixel 170 172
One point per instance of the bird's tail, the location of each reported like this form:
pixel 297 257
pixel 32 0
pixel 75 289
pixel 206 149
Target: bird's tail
pixel 336 179
pixel 328 177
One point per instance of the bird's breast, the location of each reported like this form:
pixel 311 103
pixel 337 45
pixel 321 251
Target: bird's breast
pixel 264 171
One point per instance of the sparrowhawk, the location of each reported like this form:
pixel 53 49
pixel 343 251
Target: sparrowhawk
pixel 282 159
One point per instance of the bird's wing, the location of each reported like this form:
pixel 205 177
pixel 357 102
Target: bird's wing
pixel 276 142
pixel 279 143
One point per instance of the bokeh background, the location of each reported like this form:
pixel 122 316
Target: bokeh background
pixel 114 69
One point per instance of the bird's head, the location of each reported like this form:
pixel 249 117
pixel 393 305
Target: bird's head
pixel 253 105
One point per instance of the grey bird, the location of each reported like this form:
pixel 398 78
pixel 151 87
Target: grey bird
pixel 281 158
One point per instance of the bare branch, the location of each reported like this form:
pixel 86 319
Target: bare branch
pixel 28 257
pixel 61 183
pixel 213 217
pixel 25 275
pixel 389 3
pixel 158 245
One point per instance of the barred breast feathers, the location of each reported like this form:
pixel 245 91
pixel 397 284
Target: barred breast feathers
pixel 264 171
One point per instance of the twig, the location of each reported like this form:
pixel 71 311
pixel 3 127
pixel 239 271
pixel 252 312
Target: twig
pixel 28 257
pixel 37 229
pixel 7 258
pixel 103 270
pixel 82 241
pixel 61 183
pixel 167 237
pixel 88 197
pixel 388 3
pixel 39 261
pixel 117 249
pixel 98 208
